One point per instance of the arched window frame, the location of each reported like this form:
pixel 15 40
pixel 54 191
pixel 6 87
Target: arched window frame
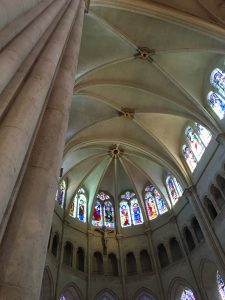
pixel 152 194
pixel 129 199
pixel 75 207
pixel 191 132
pixel 177 188
pixel 61 193
pixel 187 294
pixel 189 157
pixel 216 96
pixel 104 200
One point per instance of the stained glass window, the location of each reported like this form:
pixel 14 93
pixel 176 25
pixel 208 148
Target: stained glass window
pixel 189 157
pixel 195 143
pixel 103 211
pixel 187 295
pixel 217 79
pixel 217 103
pixel 60 194
pixel 174 188
pixel 204 134
pixel 97 214
pixel 108 214
pixel 79 205
pixel 136 212
pixel 155 204
pixel 125 214
pixel 221 286
pixel 62 298
pixel 151 206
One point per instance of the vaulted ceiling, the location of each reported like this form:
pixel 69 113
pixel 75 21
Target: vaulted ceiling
pixel 143 75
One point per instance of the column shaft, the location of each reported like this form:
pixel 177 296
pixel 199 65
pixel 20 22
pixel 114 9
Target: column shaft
pixel 14 54
pixel 23 250
pixel 20 124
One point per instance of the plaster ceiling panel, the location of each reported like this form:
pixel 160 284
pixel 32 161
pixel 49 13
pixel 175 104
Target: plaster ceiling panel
pixel 86 111
pixel 168 129
pixel 99 45
pixel 119 129
pixel 79 173
pixel 108 181
pixel 189 69
pixel 123 180
pixel 75 157
pixel 152 32
pixel 139 74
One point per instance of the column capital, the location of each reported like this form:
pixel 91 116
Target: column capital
pixel 221 138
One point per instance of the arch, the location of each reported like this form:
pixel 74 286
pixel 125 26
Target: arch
pixel 175 249
pixel 112 264
pixel 80 259
pixel 98 263
pixel 174 188
pixel 108 214
pixel 177 289
pixel 146 265
pixel 144 294
pixel 189 239
pixel 125 218
pixel 71 292
pixel 68 254
pixel 221 285
pixel 204 134
pixel 210 208
pixel 97 219
pixel 217 196
pixel 55 244
pixel 106 294
pixel 197 229
pixel 194 143
pixel 131 264
pixel 163 256
pixel 47 285
pixel 189 158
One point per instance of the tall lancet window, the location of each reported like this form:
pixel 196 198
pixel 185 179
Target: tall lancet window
pixel 204 134
pixel 61 192
pixel 221 286
pixel 78 208
pixel 103 211
pixel 154 202
pixel 187 294
pixel 194 142
pixel 216 97
pixel 174 188
pixel 129 207
pixel 189 157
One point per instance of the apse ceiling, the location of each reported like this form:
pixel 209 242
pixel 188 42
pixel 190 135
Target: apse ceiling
pixel 141 79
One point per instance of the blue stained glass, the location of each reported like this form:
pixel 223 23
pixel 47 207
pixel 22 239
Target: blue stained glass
pixel 97 214
pixel 125 214
pixel 217 103
pixel 152 193
pixel 187 295
pixel 136 212
pixel 221 286
pixel 108 214
pixel 218 80
pixel 203 133
pixel 161 204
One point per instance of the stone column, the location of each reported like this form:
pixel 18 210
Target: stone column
pixel 122 260
pixel 24 247
pixel 23 119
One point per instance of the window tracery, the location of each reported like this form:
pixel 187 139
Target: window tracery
pixel 174 188
pixel 78 208
pixel 155 204
pixel 216 98
pixel 130 208
pixel 103 214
